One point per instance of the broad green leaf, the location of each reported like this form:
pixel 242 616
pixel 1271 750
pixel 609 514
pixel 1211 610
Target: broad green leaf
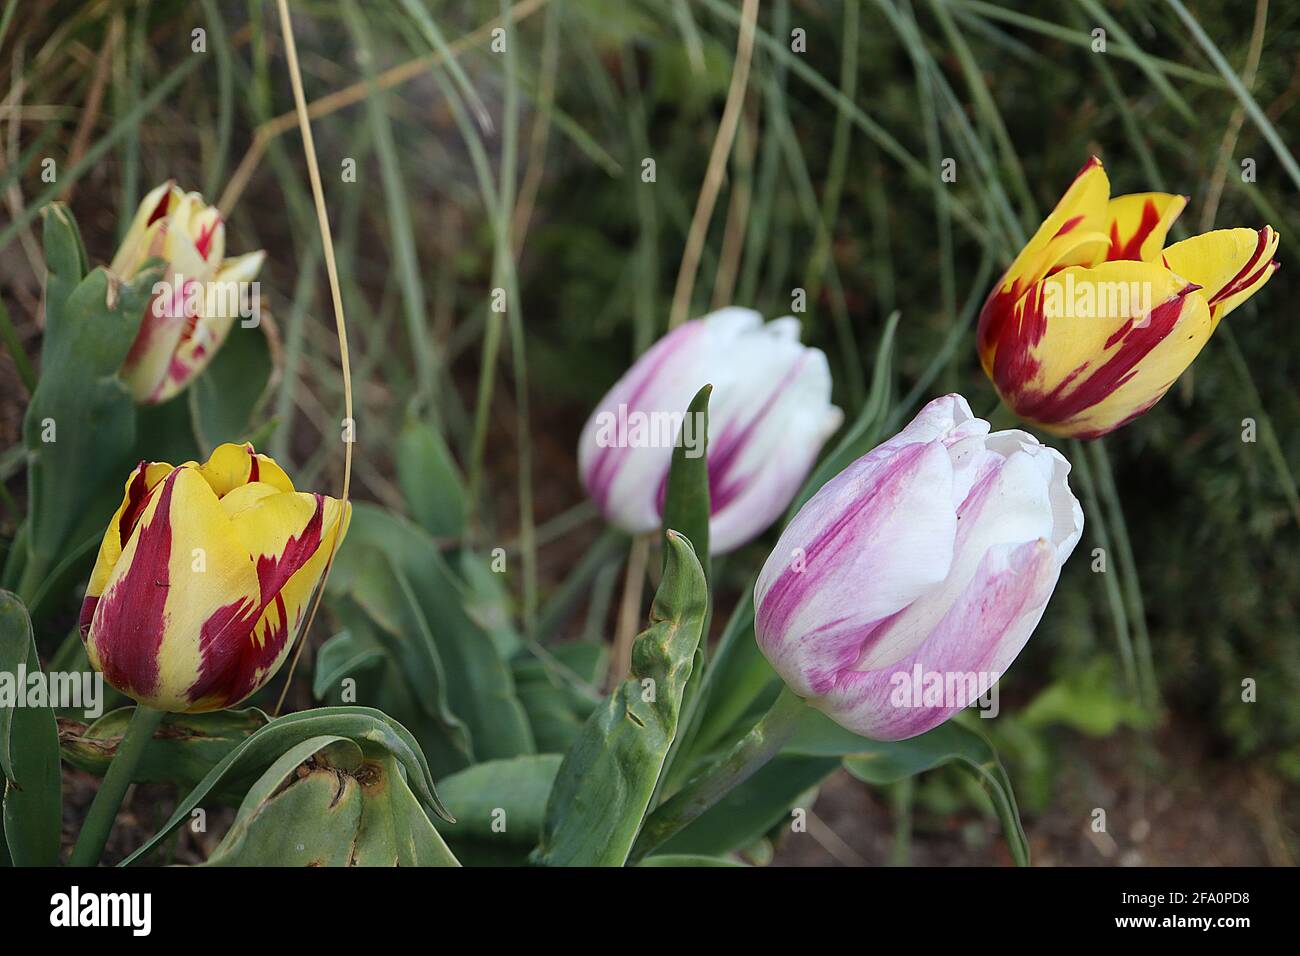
pixel 385 682
pixel 341 657
pixel 479 686
pixel 326 802
pixel 605 783
pixel 80 425
pixel 558 691
pixel 500 800
pixel 224 399
pixel 373 731
pixel 29 751
pixel 394 829
pixel 430 481
pixel 752 809
pixel 298 814
pixel 881 762
pixel 686 497
pixel 488 603
pixel 384 609
pixel 185 747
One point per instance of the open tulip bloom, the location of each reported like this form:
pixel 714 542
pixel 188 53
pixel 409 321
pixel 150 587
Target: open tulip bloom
pixel 932 557
pixel 203 579
pixel 769 415
pixel 190 317
pixel 1096 317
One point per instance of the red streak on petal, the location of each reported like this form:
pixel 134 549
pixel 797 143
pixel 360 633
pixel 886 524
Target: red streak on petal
pixel 1022 327
pixel 1244 278
pixel 204 242
pixel 161 209
pixel 1092 163
pixel 232 656
pixel 127 626
pixel 137 496
pixel 1068 226
pixel 1131 248
pixel 1068 399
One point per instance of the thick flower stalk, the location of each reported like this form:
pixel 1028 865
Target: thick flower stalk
pixel 198 299
pixel 769 415
pixel 908 584
pixel 203 578
pixel 1096 317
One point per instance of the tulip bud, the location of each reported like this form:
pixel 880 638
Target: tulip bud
pixel 769 415
pixel 203 578
pixel 198 298
pixel 1096 317
pixel 905 587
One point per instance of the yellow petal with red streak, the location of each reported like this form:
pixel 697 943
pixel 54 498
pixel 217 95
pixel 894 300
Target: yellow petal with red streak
pixel 1138 223
pixel 1230 265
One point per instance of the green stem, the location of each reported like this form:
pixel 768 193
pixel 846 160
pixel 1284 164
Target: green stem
pixel 103 810
pixel 700 793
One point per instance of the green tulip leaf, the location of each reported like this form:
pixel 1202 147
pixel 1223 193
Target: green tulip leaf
pixel 305 810
pixel 226 397
pixel 185 747
pixel 882 762
pixel 605 783
pixel 430 481
pixel 395 573
pixel 559 690
pixel 375 732
pixel 80 424
pixel 752 809
pixel 686 497
pixel 29 752
pixel 501 801
pixel 394 829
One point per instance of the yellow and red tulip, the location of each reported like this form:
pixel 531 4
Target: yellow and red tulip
pixel 1096 318
pixel 203 579
pixel 182 328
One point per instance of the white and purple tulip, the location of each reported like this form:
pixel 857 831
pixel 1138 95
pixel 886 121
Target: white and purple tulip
pixel 769 415
pixel 908 584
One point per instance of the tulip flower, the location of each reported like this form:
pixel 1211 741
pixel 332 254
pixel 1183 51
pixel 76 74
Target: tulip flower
pixel 197 299
pixel 927 562
pixel 203 579
pixel 1096 317
pixel 769 415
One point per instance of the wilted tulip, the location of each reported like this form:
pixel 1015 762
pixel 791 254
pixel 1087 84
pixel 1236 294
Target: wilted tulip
pixel 905 587
pixel 769 415
pixel 1096 318
pixel 203 578
pixel 200 295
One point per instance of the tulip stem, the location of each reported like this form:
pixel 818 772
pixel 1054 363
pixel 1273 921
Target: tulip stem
pixel 103 809
pixel 704 790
